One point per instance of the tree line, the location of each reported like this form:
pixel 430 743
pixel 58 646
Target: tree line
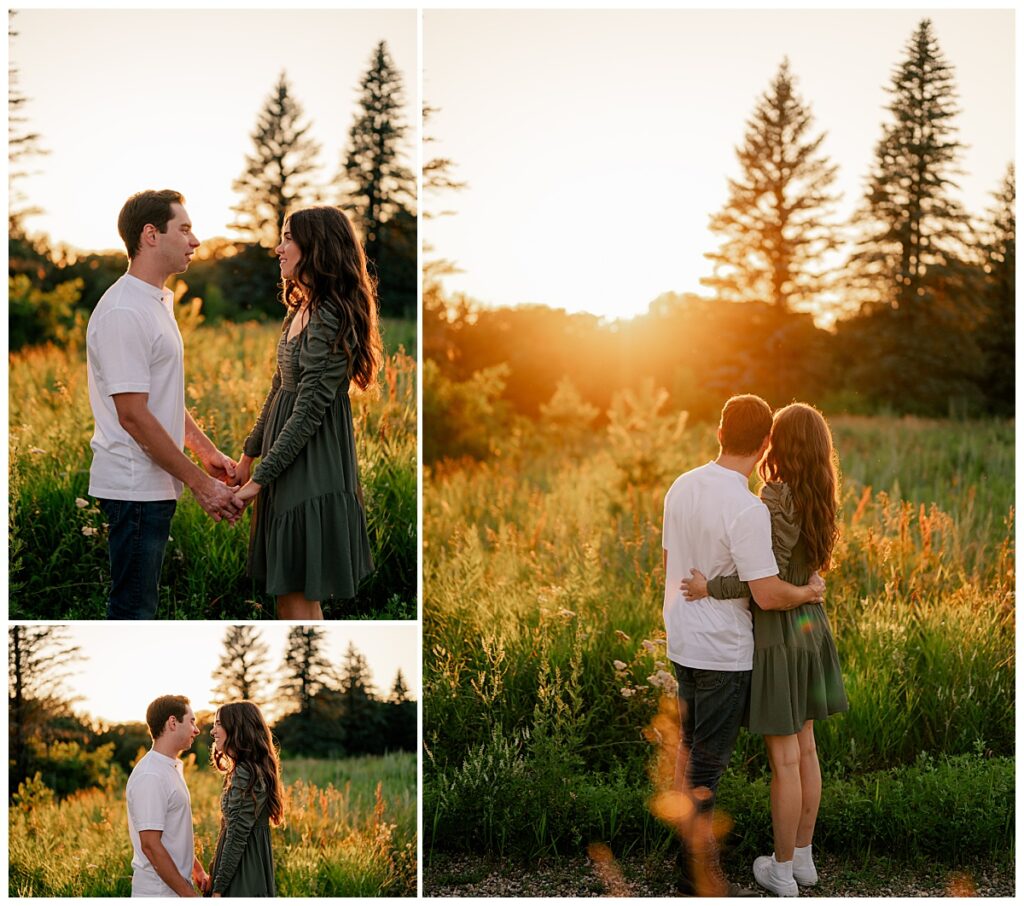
pixel 922 303
pixel 53 288
pixel 326 710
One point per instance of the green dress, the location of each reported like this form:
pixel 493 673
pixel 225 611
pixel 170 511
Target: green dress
pixel 796 675
pixel 308 528
pixel 244 862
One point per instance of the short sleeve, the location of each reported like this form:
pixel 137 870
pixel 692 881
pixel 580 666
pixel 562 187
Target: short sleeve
pixel 147 803
pixel 750 543
pixel 121 358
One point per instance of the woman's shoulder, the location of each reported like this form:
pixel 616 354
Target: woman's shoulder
pixel 778 497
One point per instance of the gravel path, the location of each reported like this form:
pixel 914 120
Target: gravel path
pixel 474 876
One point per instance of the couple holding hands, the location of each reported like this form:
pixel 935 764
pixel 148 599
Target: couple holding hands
pixel 308 539
pixel 164 863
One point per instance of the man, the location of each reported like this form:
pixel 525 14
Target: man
pixel 137 393
pixel 715 524
pixel 160 809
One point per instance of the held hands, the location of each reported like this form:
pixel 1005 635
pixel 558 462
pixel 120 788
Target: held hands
pixel 218 500
pixel 247 492
pixel 201 879
pixel 243 470
pixel 222 468
pixel 696 587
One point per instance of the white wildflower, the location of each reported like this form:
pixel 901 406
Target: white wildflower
pixel 89 531
pixel 664 680
pixel 649 646
pixel 36 450
pixel 80 503
pixel 619 665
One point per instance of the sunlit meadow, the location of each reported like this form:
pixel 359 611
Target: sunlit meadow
pixel 545 659
pixel 350 830
pixel 58 567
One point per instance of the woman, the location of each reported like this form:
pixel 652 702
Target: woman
pixel 308 539
pixel 243 750
pixel 796 678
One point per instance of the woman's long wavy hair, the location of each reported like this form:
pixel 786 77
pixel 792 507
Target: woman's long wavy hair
pixel 332 274
pixel 248 741
pixel 801 454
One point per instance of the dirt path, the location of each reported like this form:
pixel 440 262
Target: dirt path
pixel 473 876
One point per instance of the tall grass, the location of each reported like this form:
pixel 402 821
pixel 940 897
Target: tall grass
pixel 543 637
pixel 58 566
pixel 356 838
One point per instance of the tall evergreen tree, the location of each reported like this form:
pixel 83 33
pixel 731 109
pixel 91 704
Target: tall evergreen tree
pixel 277 175
pixel 362 716
pixel 399 689
pixel 306 668
pixel 377 188
pixel 775 222
pixel 911 271
pixel 909 225
pixel 22 145
pixel 242 673
pixel 997 337
pixel 39 661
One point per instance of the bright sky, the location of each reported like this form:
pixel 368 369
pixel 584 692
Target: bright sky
pixel 127 668
pixel 133 99
pixel 597 144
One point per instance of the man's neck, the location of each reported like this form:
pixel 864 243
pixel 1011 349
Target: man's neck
pixel 148 273
pixel 165 747
pixel 742 464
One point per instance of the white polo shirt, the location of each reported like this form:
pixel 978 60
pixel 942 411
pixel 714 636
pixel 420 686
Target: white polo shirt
pixel 713 523
pixel 158 799
pixel 133 345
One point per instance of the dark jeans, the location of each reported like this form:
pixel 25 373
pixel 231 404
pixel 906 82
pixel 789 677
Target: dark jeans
pixel 712 703
pixel 138 535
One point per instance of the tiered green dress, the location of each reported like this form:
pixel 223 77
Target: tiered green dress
pixel 243 865
pixel 308 528
pixel 796 675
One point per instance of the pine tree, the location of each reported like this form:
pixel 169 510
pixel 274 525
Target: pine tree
pixel 277 175
pixel 399 689
pixel 361 714
pixel 997 339
pixel 241 673
pixel 305 667
pixel 377 188
pixel 22 145
pixel 775 222
pixel 39 660
pixel 909 224
pixel 911 271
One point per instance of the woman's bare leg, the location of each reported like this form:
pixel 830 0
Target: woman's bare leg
pixel 810 784
pixel 295 606
pixel 786 798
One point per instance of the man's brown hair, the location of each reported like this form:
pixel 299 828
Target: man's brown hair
pixel 145 207
pixel 162 709
pixel 746 422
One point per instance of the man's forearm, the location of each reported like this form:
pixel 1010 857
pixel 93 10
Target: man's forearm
pixel 774 594
pixel 149 434
pixel 195 438
pixel 164 866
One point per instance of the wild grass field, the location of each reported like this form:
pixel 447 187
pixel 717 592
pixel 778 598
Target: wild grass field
pixel 544 646
pixel 58 565
pixel 350 830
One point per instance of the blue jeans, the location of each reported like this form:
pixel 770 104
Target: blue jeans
pixel 137 538
pixel 711 705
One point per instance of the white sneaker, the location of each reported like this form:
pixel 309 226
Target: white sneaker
pixel 804 872
pixel 775 876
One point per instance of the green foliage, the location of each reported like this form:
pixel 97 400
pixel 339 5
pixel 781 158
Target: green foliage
pixel 350 830
pixel 37 316
pixel 58 567
pixel 542 628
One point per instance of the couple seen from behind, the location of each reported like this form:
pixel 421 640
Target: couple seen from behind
pixel 308 539
pixel 746 630
pixel 160 808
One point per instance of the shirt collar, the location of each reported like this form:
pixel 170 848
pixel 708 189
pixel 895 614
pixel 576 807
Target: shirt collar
pixel 740 478
pixel 160 294
pixel 164 758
